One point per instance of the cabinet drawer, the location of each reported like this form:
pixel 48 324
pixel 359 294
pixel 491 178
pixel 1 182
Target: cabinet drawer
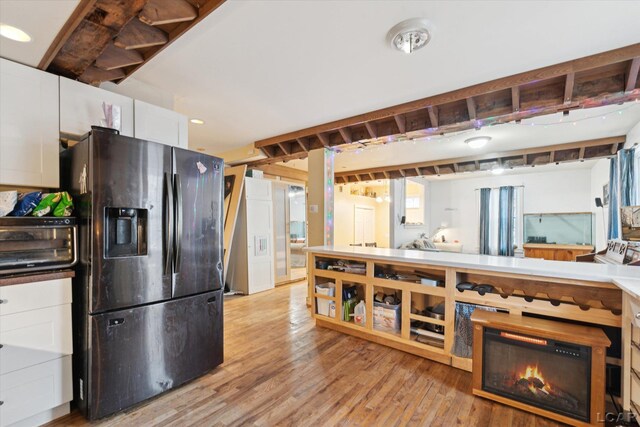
pixel 35 336
pixel 29 391
pixel 32 296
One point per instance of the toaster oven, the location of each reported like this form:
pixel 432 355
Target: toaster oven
pixel 37 243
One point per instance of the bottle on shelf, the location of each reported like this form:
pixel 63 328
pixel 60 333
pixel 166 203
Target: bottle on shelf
pixel 360 314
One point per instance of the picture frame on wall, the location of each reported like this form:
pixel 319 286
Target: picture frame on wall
pixel 605 194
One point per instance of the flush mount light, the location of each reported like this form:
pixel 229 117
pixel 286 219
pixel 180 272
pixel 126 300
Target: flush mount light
pixel 410 35
pixel 13 33
pixel 197 121
pixel 498 170
pixel 478 141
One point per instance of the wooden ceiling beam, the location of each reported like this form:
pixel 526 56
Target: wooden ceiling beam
pixel 581 153
pixel 502 157
pixel 568 88
pixel 401 172
pixel 138 35
pixel 114 57
pixel 386 174
pixel 401 123
pixel 324 139
pixel 82 9
pixel 345 133
pixel 632 74
pixel 303 143
pixel 372 177
pixel 283 146
pixel 471 108
pixel 515 99
pixel 552 156
pixel 614 148
pixel 94 76
pixel 433 115
pixel 546 73
pixel 371 129
pixel 159 12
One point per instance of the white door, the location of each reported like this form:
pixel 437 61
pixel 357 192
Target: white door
pixel 364 225
pixel 259 235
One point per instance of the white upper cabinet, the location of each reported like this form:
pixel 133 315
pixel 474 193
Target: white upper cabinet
pixel 29 137
pixel 81 108
pixel 158 124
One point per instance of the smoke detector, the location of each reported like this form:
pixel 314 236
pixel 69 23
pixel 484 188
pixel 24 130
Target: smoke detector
pixel 410 35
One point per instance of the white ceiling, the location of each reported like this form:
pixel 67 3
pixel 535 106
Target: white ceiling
pixel 41 19
pixel 255 69
pixel 546 130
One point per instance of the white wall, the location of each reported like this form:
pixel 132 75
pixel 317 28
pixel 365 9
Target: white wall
pixel 455 201
pixel 344 211
pixel 600 177
pixel 633 136
pixel 137 89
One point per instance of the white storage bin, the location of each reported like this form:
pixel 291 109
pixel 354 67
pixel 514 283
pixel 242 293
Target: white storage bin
pixel 323 306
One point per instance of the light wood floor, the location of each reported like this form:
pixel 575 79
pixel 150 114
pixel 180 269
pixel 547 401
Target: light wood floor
pixel 281 370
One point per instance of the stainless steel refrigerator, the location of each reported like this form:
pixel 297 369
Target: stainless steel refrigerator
pixel 148 286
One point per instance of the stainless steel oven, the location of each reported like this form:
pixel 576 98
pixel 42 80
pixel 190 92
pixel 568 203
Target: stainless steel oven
pixel 36 244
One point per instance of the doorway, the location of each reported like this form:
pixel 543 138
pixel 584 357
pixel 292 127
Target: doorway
pixel 364 226
pixel 290 232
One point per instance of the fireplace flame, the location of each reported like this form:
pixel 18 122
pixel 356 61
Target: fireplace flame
pixel 536 382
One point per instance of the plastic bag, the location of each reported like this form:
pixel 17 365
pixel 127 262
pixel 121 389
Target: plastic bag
pixel 47 204
pixel 8 201
pixel 65 206
pixel 26 203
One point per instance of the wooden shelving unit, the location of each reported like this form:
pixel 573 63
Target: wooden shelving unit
pixel 585 301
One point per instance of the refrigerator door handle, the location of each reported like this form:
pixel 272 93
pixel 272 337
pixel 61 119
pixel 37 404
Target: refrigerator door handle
pixel 178 189
pixel 168 225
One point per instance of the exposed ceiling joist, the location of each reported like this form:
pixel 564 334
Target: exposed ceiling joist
pixel 592 81
pixel 515 99
pixel 108 40
pixel 346 135
pixel 560 153
pixel 568 88
pixel 632 75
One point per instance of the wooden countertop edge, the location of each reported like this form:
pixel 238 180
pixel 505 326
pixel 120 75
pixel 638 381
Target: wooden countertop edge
pixel 555 246
pixel 38 277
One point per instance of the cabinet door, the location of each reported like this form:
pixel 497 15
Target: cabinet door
pixel 29 136
pixel 158 124
pixel 81 108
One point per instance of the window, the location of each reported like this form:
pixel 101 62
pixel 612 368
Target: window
pixel 414 202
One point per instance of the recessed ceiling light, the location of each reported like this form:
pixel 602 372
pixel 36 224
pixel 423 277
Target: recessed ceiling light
pixel 410 35
pixel 478 141
pixel 197 121
pixel 13 33
pixel 497 170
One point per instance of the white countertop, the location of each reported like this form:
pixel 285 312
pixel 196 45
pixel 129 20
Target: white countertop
pixel 630 286
pixel 617 274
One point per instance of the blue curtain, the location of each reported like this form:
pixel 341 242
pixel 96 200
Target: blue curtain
pixel 614 205
pixel 485 200
pixel 628 177
pixel 506 221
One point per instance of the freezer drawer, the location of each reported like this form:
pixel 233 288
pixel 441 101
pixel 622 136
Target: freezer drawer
pixel 141 352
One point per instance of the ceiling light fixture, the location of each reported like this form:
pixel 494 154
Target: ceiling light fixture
pixel 477 141
pixel 13 33
pixel 410 35
pixel 197 121
pixel 498 170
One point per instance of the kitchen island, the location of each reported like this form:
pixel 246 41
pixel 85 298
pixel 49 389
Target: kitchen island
pixel 553 289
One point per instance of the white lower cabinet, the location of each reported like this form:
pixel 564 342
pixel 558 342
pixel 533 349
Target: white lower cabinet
pixel 35 353
pixel 30 391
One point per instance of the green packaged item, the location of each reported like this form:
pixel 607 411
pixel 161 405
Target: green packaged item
pixel 47 204
pixel 65 206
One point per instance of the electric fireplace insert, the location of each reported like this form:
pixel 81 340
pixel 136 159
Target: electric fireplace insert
pixel 548 367
pixel 546 373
